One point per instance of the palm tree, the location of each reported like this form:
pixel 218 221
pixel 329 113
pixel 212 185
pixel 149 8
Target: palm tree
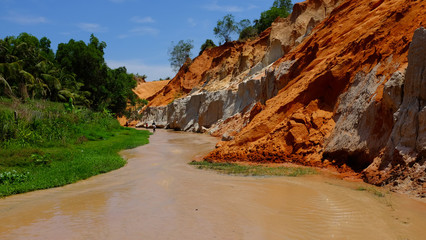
pixel 14 74
pixel 7 89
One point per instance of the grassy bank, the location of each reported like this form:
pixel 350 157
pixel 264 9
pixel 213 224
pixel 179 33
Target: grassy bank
pixel 253 170
pixel 48 145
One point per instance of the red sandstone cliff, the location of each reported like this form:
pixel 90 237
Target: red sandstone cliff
pixel 345 90
pixel 331 109
pixel 220 63
pixel 226 66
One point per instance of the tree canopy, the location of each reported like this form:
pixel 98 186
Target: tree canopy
pixel 180 53
pixel 280 8
pixel 30 69
pixel 225 28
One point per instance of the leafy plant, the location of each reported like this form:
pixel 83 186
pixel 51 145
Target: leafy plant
pixel 41 159
pixel 11 177
pixel 69 106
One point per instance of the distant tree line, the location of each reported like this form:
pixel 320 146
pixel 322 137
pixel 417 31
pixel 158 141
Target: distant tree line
pixel 77 73
pixel 226 27
pixel 245 28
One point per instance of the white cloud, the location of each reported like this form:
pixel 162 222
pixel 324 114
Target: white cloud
pixel 140 31
pixel 92 27
pixel 191 22
pixel 252 6
pixel 144 31
pixel 214 6
pixel 154 72
pixel 25 19
pixel 138 19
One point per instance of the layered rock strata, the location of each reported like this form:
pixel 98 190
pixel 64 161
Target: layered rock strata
pixel 348 93
pixel 350 72
pixel 222 85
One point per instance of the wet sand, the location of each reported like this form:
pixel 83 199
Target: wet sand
pixel 157 195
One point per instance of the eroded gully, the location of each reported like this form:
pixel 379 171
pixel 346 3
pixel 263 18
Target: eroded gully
pixel 157 195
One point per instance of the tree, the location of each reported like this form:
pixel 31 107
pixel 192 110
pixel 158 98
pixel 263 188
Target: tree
pixel 15 75
pixel 246 30
pixel 77 74
pixel 46 51
pixel 20 60
pixel 180 53
pixel 88 64
pixel 283 4
pixel 225 28
pixel 7 89
pixel 208 44
pixel 119 84
pixel 280 8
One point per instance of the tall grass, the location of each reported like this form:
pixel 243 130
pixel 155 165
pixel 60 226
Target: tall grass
pixel 44 123
pixel 47 146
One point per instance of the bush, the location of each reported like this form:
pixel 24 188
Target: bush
pixel 248 33
pixel 46 124
pixel 280 8
pixel 207 45
pixel 12 177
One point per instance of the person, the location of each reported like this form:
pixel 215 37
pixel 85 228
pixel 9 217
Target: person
pixel 153 126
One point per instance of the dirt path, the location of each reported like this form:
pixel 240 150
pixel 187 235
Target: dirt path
pixel 157 195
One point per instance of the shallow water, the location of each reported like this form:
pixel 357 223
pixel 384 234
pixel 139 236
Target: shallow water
pixel 157 195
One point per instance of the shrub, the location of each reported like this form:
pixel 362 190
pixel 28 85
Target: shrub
pixel 12 177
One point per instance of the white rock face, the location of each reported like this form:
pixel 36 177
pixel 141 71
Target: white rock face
pixel 235 88
pixel 387 139
pixel 392 92
pixel 203 110
pixel 352 139
pixel 408 138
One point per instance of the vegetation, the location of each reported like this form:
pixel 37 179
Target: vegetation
pixel 180 54
pixel 253 170
pixel 207 45
pixel 384 196
pixel 248 32
pixel 45 144
pixel 227 26
pixel 29 69
pixel 132 112
pixel 280 8
pixel 372 190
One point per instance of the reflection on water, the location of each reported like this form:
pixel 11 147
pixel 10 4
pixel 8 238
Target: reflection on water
pixel 158 196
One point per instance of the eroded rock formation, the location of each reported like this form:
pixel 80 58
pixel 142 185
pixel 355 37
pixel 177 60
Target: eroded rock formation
pixel 223 84
pixel 337 84
pixel 402 162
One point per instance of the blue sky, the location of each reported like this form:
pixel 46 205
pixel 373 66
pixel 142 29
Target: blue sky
pixel 138 33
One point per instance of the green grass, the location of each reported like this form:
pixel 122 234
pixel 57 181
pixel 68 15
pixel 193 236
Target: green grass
pixel 384 196
pixel 253 170
pixel 47 146
pixel 59 166
pixel 372 190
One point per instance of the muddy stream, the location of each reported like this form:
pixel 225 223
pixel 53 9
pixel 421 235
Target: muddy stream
pixel 157 195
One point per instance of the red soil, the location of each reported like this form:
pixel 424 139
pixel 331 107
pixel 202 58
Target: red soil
pixel 355 37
